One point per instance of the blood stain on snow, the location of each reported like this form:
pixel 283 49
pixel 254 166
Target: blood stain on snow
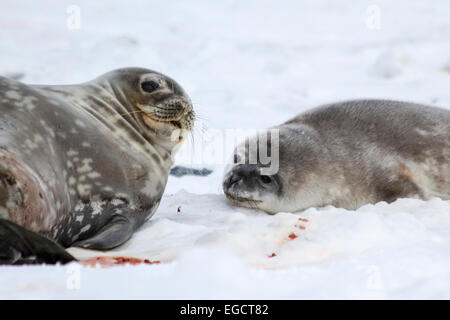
pixel 106 261
pixel 292 236
pixel 272 255
pixel 303 220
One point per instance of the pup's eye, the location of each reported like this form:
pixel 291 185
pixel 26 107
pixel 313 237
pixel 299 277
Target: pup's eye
pixel 149 86
pixel 266 179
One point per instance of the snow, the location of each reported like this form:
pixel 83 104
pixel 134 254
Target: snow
pixel 248 65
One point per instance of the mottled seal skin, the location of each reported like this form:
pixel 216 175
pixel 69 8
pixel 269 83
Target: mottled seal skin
pixel 85 165
pixel 349 154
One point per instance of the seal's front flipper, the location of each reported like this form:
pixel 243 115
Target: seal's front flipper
pixel 19 245
pixel 118 230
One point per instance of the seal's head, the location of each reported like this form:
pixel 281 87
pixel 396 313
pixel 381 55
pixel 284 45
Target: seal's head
pixel 248 182
pixel 160 108
pixel 279 183
pixel 245 186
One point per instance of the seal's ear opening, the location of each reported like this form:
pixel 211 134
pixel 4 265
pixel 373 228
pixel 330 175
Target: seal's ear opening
pixel 149 86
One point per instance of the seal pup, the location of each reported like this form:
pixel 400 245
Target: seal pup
pixel 85 165
pixel 347 154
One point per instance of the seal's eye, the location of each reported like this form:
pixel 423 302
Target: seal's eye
pixel 266 179
pixel 149 86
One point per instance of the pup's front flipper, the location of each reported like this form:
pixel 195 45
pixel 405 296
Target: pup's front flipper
pixel 117 231
pixel 19 245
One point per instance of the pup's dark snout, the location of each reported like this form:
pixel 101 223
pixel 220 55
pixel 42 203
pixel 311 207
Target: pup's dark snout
pixel 242 172
pixel 233 179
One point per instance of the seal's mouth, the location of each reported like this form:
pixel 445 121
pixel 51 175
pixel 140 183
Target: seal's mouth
pixel 178 116
pixel 240 200
pixel 174 123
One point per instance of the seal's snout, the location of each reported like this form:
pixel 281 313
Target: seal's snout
pixel 181 112
pixel 240 182
pixel 244 185
pixel 242 173
pixel 231 180
pixel 175 111
pixel 173 108
pixel 177 105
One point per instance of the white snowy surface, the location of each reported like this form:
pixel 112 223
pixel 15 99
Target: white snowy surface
pixel 249 65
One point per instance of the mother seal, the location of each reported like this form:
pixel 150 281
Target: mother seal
pixel 347 154
pixel 85 165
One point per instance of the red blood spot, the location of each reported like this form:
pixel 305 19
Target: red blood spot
pixel 179 209
pixel 151 262
pixel 303 219
pixel 123 260
pixel 272 255
pixel 292 236
pixel 112 261
pixel 302 227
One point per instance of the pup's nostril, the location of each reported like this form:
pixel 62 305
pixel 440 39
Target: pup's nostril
pixel 233 180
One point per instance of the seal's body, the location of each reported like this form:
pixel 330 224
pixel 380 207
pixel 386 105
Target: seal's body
pixel 86 165
pixel 349 154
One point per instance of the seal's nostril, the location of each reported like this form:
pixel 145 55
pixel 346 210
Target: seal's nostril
pixel 233 180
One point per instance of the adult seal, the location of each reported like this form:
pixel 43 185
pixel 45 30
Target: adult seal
pixel 347 154
pixel 85 165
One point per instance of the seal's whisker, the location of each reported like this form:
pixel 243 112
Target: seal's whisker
pixel 197 132
pixel 252 204
pixel 192 141
pixel 204 127
pixel 200 117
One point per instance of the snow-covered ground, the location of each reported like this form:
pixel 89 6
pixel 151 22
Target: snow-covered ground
pixel 248 65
